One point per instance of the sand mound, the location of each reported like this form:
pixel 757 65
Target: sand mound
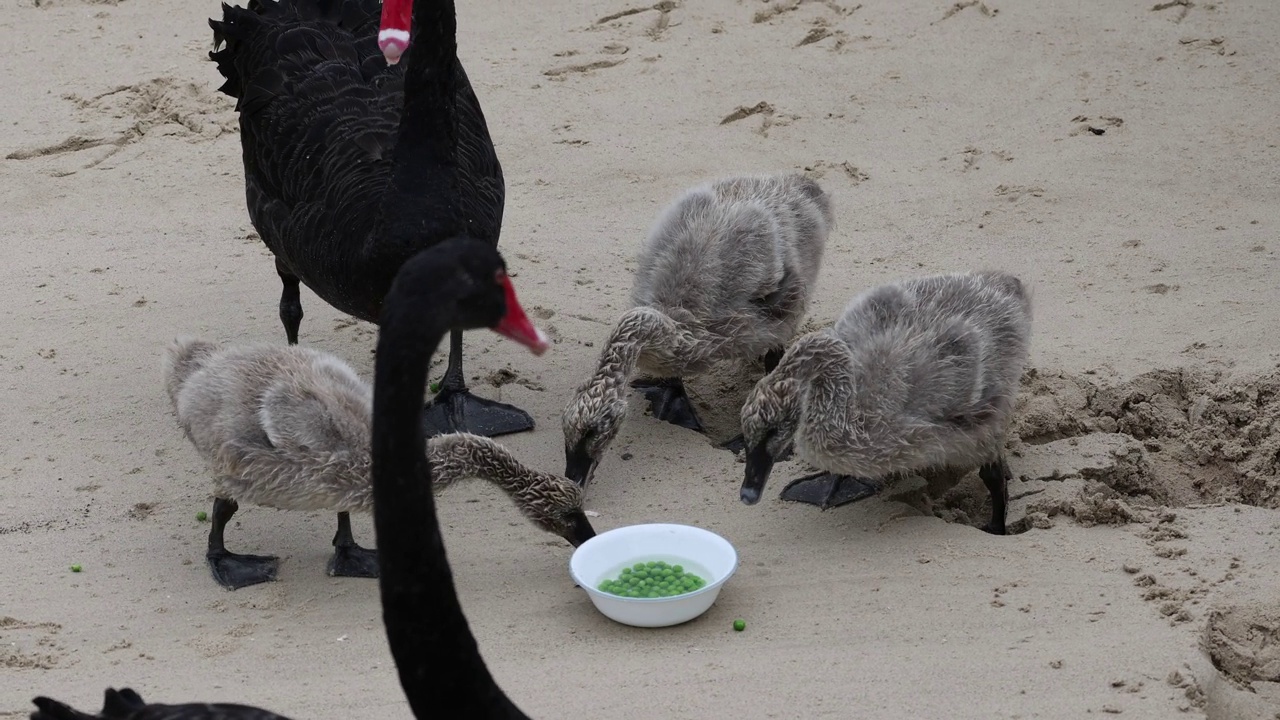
pixel 1197 436
pixel 1243 640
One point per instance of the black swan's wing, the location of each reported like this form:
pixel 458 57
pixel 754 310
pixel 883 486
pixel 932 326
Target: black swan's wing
pixel 479 173
pixel 319 116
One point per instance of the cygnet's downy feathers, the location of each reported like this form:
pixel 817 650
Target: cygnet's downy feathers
pixel 289 427
pixel 738 259
pixel 726 273
pixel 914 375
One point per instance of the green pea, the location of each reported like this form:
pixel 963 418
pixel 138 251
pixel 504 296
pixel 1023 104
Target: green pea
pixel 202 516
pixel 739 624
pixel 651 579
pixel 75 568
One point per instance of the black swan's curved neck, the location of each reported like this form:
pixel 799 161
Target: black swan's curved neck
pixel 435 652
pixel 425 168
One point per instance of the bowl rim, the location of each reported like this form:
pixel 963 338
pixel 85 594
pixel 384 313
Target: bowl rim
pixel 709 587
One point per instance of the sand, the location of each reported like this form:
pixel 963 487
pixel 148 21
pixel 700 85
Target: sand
pixel 1120 157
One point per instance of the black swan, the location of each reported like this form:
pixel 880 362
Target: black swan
pixel 458 284
pixel 333 134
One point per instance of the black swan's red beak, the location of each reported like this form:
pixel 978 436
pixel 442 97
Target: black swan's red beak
pixel 516 325
pixel 393 33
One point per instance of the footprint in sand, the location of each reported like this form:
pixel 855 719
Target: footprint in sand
pixel 655 27
pixel 127 114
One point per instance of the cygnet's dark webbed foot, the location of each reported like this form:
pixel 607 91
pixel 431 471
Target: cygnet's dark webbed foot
pixel 234 571
pixel 353 561
pixel 349 559
pixel 827 490
pixel 668 401
pixel 735 446
pixel 739 444
pixel 460 411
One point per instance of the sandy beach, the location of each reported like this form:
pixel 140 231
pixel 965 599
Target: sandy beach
pixel 1120 157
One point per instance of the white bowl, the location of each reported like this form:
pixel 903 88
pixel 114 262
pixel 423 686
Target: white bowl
pixel 700 551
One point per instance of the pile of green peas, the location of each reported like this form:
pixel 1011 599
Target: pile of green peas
pixel 653 579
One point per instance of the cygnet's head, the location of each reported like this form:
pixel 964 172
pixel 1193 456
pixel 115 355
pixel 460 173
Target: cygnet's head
pixel 770 418
pixel 557 508
pixel 591 421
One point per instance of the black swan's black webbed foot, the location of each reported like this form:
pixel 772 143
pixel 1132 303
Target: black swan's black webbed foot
pixel 827 490
pixel 455 409
pixel 349 559
pixel 460 411
pixel 669 402
pixel 996 475
pixel 290 302
pixel 234 571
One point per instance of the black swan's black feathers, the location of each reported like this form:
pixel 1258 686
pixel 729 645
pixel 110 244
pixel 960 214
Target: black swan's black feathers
pixel 125 704
pixel 319 121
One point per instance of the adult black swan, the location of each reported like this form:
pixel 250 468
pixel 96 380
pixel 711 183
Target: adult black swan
pixel 458 284
pixel 333 133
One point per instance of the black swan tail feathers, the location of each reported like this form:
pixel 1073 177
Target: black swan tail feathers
pixel 125 704
pixel 50 709
pixel 121 703
pixel 118 705
pixel 292 35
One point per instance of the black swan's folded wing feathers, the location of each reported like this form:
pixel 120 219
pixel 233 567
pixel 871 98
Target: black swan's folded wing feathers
pixel 484 191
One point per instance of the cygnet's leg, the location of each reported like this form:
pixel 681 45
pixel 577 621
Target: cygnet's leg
pixel 349 559
pixel 996 475
pixel 739 443
pixel 827 490
pixel 455 409
pixel 669 401
pixel 772 358
pixel 290 302
pixel 234 571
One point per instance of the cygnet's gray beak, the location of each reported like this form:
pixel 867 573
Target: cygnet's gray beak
pixel 578 465
pixel 759 465
pixel 580 529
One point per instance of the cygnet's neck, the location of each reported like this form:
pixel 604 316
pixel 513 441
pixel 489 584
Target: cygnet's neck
pixel 645 336
pixel 456 456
